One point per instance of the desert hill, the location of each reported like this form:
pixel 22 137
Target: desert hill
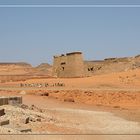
pixel 18 68
pixel 22 68
pixel 44 69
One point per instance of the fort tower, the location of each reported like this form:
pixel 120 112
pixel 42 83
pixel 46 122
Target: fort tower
pixel 69 65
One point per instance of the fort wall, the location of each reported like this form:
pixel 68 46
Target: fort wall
pixel 69 65
pixel 73 65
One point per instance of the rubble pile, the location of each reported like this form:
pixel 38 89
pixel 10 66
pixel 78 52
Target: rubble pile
pixel 17 118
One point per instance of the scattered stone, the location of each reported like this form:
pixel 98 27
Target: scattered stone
pixel 23 92
pixel 45 94
pixel 33 107
pixel 4 122
pixel 32 119
pixel 38 119
pixel 23 106
pixel 25 120
pixel 116 106
pixel 69 100
pixel 2 112
pixel 25 130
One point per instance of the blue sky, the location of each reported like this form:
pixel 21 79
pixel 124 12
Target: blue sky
pixel 34 35
pixel 69 2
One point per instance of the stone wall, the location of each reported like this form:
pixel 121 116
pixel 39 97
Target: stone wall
pixel 111 65
pixel 69 65
pixel 10 100
pixel 73 65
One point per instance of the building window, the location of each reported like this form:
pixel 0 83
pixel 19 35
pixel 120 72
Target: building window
pixel 90 69
pixel 63 63
pixel 63 68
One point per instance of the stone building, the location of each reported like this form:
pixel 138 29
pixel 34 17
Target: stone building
pixel 69 65
pixel 73 65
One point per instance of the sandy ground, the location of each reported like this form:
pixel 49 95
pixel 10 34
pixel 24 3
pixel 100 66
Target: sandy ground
pixel 78 118
pixel 104 104
pixel 70 137
pixel 71 118
pixel 123 81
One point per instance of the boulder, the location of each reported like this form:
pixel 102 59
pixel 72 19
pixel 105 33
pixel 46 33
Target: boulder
pixel 25 120
pixel 4 122
pixel 2 112
pixel 24 130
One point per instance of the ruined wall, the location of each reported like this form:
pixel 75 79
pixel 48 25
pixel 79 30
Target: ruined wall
pixel 69 65
pixel 10 100
pixel 111 65
pixel 90 67
pixel 107 66
pixel 73 65
pixel 58 64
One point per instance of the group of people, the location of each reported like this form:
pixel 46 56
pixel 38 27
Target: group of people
pixel 40 85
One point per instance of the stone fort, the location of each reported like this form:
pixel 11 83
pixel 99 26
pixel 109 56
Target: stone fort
pixel 73 65
pixel 69 65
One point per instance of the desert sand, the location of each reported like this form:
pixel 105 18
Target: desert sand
pixel 103 106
